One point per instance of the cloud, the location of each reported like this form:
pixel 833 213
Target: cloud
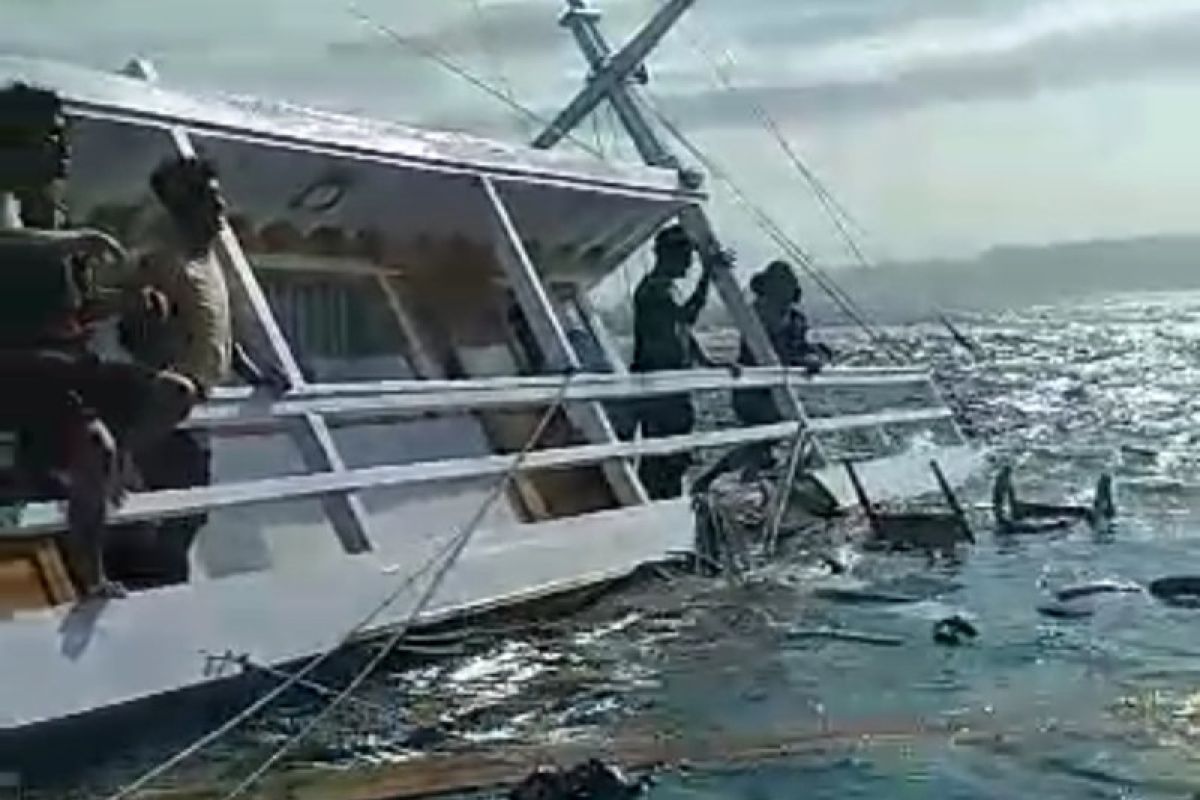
pixel 1051 45
pixel 792 24
pixel 514 29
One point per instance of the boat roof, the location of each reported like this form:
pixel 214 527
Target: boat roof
pixel 589 213
pixel 89 92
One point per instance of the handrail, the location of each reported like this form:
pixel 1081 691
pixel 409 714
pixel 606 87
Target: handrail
pixel 238 409
pixel 44 518
pixel 47 517
pixel 231 412
pixel 682 380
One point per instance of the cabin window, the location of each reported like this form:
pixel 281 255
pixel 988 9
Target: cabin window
pixel 340 327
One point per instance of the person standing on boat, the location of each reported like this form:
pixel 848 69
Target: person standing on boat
pixel 777 296
pixel 191 340
pixel 663 340
pixel 68 415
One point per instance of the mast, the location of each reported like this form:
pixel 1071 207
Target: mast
pixel 614 78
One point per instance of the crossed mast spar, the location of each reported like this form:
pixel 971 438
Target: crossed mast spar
pixel 616 78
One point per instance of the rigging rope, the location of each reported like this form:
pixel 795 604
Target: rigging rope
pixel 493 55
pixel 768 225
pixel 785 242
pixel 450 551
pixel 836 211
pixel 833 209
pixel 460 71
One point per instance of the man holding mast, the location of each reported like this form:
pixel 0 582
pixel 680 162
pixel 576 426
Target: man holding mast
pixel 663 340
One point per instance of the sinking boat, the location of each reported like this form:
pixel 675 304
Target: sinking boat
pixel 428 296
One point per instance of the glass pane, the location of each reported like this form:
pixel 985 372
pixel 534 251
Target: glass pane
pixel 340 327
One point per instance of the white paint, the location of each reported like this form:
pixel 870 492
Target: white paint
pixel 62 662
pixel 117 96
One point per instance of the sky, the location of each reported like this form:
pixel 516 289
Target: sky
pixel 944 127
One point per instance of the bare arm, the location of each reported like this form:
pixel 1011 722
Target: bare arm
pixel 701 356
pixel 695 304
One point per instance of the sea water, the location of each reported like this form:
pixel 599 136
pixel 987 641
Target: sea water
pixel 1106 705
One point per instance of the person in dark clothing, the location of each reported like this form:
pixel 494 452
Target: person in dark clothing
pixel 34 153
pixel 67 415
pixel 777 296
pixel 663 340
pixel 69 412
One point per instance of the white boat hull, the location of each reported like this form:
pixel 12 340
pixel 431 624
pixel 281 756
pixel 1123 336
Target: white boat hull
pixel 70 661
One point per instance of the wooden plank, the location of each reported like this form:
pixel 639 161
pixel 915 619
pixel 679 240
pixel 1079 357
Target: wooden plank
pixel 174 503
pixel 33 575
pixel 498 768
pixel 50 561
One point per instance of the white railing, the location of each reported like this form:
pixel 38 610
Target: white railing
pixel 240 409
pixel 234 410
pixel 160 505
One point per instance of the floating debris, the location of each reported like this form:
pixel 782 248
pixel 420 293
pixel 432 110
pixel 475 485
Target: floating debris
pixel 863 596
pixel 1097 587
pixel 1182 591
pixel 591 780
pixel 953 631
pixel 1065 610
pixel 841 635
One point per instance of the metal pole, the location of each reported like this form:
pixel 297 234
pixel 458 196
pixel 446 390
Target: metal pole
pixel 537 308
pixel 627 102
pixel 609 71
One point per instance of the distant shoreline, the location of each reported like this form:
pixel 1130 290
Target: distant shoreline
pixel 1005 278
